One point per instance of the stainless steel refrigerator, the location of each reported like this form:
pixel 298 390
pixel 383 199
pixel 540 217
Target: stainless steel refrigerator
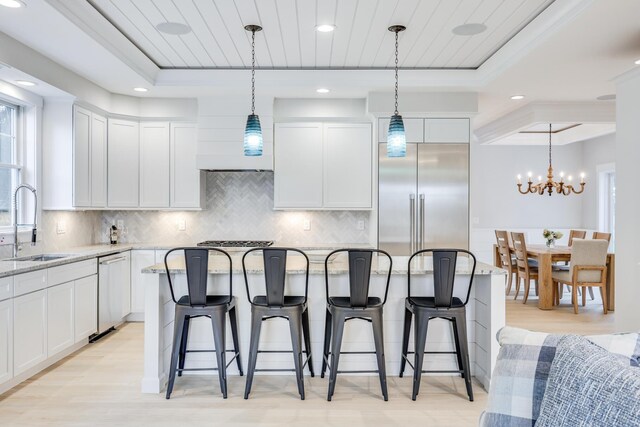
pixel 423 198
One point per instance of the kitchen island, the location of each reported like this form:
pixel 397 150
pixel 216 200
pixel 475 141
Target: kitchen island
pixel 485 316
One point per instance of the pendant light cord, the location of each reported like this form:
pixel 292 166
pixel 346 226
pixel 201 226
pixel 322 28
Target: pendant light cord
pixel 549 144
pixel 253 71
pixel 396 111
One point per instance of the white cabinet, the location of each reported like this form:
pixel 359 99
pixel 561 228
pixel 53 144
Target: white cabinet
pixel 347 165
pixel 139 260
pixel 60 322
pixel 89 159
pixel 298 165
pixel 30 331
pixel 123 164
pixel 154 165
pixel 323 166
pixel 413 129
pixel 6 341
pixel 187 181
pixel 85 292
pixel 446 130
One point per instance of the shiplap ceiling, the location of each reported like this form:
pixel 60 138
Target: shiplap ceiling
pixel 289 39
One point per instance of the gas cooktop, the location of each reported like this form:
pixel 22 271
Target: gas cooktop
pixel 236 243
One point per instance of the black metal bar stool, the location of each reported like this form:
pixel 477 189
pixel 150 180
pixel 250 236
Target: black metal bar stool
pixel 198 303
pixel 358 305
pixel 275 304
pixel 441 305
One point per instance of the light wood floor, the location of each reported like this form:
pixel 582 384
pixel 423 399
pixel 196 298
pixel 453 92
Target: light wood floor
pixel 100 385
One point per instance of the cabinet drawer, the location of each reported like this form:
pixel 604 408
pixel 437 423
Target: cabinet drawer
pixel 29 282
pixel 6 288
pixel 68 272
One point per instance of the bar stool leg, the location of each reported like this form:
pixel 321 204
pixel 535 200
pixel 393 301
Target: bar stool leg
pixel 405 339
pixel 337 323
pixel 463 351
pixel 307 339
pixel 295 325
pixel 183 344
pixel 218 321
pixel 456 339
pixel 233 319
pixel 256 325
pixel 376 323
pixel 175 350
pixel 419 338
pixel 327 342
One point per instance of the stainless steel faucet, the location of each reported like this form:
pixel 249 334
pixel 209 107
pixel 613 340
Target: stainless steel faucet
pixel 16 244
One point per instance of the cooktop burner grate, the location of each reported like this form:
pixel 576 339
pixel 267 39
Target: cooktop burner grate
pixel 236 243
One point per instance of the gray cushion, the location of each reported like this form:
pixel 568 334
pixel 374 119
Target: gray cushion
pixel 588 386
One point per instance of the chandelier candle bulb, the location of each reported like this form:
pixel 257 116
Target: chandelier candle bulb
pixel 582 178
pixel 519 179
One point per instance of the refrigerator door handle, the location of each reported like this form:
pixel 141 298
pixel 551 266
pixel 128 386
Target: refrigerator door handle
pixel 412 222
pixel 421 224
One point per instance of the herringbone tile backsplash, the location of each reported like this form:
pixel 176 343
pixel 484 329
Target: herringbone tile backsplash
pixel 239 206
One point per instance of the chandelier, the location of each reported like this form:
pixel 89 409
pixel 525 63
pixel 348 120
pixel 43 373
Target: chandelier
pixel 549 185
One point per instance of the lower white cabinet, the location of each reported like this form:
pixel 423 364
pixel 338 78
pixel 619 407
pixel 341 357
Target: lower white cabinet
pixel 6 341
pixel 60 324
pixel 30 324
pixel 85 307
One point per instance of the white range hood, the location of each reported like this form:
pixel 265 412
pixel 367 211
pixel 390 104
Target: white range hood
pixel 221 123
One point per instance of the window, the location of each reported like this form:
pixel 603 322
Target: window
pixel 9 164
pixel 607 201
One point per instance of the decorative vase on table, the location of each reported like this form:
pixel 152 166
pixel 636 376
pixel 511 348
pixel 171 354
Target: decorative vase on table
pixel 550 237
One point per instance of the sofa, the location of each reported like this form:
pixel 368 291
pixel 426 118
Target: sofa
pixel 556 380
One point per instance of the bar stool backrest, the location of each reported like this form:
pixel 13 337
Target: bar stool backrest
pixel 196 261
pixel 359 274
pixel 275 274
pixel 444 274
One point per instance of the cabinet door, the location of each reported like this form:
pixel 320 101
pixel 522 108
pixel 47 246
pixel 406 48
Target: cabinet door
pixel 30 324
pixel 81 157
pixel 447 130
pixel 298 165
pixel 154 165
pixel 98 161
pixel 413 129
pixel 6 341
pixel 123 164
pixel 60 326
pixel 186 179
pixel 347 166
pixel 85 307
pixel 139 260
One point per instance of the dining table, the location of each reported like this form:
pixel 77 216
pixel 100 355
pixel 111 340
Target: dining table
pixel 547 257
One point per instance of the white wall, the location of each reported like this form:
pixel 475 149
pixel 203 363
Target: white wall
pixel 628 203
pixel 595 152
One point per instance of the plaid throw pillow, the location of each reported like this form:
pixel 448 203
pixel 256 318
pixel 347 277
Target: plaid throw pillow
pixel 589 387
pixel 520 377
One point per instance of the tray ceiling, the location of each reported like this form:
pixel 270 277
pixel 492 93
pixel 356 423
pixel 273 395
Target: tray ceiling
pixel 289 39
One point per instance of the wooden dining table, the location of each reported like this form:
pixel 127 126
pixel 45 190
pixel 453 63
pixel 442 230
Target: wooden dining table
pixel 546 257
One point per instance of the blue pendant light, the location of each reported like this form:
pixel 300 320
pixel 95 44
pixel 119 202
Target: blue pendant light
pixel 396 138
pixel 252 131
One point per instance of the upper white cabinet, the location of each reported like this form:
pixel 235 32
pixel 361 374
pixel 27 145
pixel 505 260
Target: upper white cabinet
pixel 433 130
pixel 89 158
pixel 123 164
pixel 154 165
pixel 98 160
pixel 347 166
pixel 322 166
pixel 187 181
pixel 298 165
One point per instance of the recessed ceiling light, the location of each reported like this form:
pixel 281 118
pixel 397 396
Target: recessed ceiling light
pixel 140 89
pixel 173 28
pixel 609 97
pixel 469 29
pixel 323 90
pixel 25 83
pixel 14 4
pixel 637 62
pixel 325 28
pixel 517 97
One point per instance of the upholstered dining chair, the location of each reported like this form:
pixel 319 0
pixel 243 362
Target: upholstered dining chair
pixel 507 261
pixel 525 271
pixel 588 269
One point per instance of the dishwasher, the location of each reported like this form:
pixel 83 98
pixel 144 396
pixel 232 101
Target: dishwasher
pixel 114 291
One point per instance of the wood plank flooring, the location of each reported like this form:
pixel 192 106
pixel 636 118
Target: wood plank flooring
pixel 100 386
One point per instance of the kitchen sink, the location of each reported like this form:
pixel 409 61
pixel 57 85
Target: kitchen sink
pixel 41 257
